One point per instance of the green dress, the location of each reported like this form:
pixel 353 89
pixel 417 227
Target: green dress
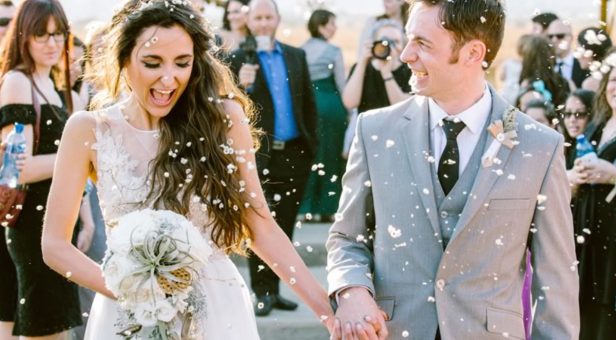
pixel 327 73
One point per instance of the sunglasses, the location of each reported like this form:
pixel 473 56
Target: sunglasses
pixel 558 36
pixel 5 21
pixel 577 115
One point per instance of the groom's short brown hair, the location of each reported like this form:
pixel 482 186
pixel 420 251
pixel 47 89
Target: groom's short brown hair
pixel 467 20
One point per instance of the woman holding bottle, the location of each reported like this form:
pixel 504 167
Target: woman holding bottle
pixel 43 303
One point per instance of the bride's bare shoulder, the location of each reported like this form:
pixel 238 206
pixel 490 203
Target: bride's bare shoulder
pixel 81 126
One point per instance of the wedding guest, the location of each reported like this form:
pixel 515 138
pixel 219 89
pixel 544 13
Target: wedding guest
pixel 595 217
pixel 376 83
pixel 528 94
pixel 78 62
pixel 396 10
pixel 7 11
pixel 379 82
pixel 277 80
pixel 541 22
pixel 510 72
pixel 44 303
pixel 537 71
pixel 326 69
pixel 94 49
pixel 593 45
pixel 560 35
pixel 541 111
pixel 8 279
pixel 234 29
pixel 574 120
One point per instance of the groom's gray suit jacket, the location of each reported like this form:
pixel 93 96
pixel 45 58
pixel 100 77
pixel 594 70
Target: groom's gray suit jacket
pixel 393 215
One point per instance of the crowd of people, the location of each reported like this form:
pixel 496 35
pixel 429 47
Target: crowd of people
pixel 565 81
pixel 144 88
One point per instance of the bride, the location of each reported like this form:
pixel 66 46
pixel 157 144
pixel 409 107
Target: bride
pixel 182 141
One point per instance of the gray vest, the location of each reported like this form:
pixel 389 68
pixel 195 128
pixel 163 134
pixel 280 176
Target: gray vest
pixel 450 207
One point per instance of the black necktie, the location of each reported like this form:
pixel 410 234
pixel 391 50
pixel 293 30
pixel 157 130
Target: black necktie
pixel 448 168
pixel 559 68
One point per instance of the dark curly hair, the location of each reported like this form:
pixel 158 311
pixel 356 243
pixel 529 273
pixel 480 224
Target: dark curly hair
pixel 195 127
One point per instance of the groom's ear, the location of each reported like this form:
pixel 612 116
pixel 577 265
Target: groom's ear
pixel 474 52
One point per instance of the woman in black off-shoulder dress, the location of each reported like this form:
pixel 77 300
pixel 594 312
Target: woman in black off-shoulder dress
pixel 44 303
pixel 42 291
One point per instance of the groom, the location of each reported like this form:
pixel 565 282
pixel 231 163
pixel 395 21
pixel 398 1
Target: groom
pixel 437 212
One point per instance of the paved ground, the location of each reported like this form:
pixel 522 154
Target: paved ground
pixel 301 324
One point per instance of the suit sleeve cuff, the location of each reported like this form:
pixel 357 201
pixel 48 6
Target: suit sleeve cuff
pixel 338 294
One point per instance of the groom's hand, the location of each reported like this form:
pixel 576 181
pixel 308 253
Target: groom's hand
pixel 359 316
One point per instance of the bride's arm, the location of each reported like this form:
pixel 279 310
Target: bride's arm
pixel 72 168
pixel 269 241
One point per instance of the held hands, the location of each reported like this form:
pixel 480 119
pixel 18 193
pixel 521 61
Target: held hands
pixel 358 317
pixel 248 74
pixel 596 171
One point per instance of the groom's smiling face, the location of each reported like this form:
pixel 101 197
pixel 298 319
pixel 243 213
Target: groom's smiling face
pixel 429 54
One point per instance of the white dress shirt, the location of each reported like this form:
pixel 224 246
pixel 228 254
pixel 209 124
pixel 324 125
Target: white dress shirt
pixel 474 118
pixel 566 69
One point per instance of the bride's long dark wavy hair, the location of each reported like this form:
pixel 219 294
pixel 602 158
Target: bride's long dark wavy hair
pixel 196 128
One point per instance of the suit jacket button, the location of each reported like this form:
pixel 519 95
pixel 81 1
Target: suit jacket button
pixel 444 214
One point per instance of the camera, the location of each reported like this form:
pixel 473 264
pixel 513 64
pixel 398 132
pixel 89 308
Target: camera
pixel 381 49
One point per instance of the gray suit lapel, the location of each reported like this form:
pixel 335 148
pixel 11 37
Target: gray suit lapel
pixel 415 130
pixel 487 176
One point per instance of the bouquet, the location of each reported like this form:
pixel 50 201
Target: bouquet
pixel 152 264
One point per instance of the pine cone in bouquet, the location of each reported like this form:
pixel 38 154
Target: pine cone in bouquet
pixel 174 281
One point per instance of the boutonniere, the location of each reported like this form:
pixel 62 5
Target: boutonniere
pixel 504 133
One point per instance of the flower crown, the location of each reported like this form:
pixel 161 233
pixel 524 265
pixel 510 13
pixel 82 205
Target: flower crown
pixel 168 3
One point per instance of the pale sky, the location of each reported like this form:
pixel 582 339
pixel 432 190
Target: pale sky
pixel 349 11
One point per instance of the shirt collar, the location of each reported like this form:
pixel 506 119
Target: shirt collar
pixel 277 49
pixel 474 117
pixel 568 60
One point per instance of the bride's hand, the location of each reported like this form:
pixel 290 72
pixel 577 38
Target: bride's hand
pixel 333 326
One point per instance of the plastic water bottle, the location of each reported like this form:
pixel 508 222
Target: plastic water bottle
pixel 583 148
pixel 15 145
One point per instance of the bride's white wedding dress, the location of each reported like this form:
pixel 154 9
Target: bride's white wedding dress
pixel 123 156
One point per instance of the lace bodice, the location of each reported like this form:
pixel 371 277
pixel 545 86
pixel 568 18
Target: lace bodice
pixel 123 158
pixel 124 154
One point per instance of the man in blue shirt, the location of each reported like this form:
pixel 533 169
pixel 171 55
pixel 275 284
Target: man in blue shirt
pixel 276 78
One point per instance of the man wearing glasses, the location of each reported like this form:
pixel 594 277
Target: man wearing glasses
pixel 7 11
pixel 560 35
